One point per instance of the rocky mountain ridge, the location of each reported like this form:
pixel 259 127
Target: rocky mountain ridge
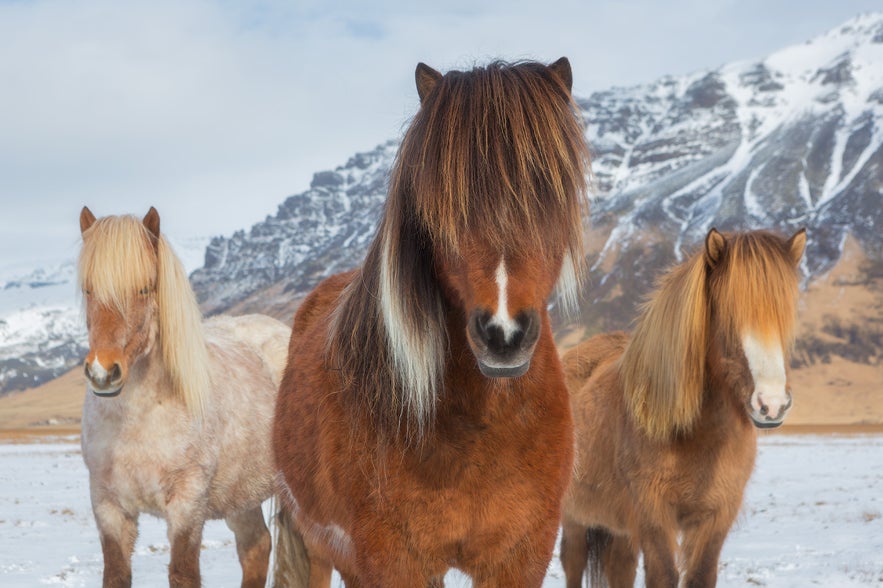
pixel 794 140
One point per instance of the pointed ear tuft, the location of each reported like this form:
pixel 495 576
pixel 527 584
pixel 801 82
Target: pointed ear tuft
pixel 151 221
pixel 562 71
pixel 715 243
pixel 796 246
pixel 427 78
pixel 87 219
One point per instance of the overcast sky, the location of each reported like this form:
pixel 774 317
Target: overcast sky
pixel 215 111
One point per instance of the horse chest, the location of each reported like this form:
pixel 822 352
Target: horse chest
pixel 697 478
pixel 474 490
pixel 137 461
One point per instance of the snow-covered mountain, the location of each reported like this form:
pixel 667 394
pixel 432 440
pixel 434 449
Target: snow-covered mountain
pixel 313 235
pixel 41 329
pixel 795 140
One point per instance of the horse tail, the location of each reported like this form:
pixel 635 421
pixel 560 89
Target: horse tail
pixel 292 564
pixel 598 539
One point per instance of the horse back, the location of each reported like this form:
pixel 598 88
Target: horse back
pixel 263 335
pixel 319 303
pixel 582 361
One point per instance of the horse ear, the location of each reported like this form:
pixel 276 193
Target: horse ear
pixel 561 69
pixel 87 219
pixel 796 245
pixel 427 78
pixel 151 221
pixel 714 247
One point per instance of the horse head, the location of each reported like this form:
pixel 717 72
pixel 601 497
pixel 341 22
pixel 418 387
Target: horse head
pixel 753 285
pixel 495 167
pixel 118 275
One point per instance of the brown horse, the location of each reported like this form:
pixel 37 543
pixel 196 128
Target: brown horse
pixel 665 420
pixel 423 422
pixel 178 412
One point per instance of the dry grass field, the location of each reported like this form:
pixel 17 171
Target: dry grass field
pixel 827 397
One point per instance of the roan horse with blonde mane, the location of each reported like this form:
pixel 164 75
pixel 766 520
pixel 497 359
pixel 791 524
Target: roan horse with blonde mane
pixel 423 422
pixel 665 419
pixel 177 419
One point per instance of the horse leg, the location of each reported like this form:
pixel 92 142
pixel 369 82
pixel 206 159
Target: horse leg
pixel 574 552
pixel 252 545
pixel 185 523
pixel 386 562
pixel 702 547
pixel 320 573
pixel 403 574
pixel 525 565
pixel 620 562
pixel 659 546
pixel 118 531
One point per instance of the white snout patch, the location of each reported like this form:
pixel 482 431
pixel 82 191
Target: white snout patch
pixel 97 370
pixel 502 318
pixel 767 364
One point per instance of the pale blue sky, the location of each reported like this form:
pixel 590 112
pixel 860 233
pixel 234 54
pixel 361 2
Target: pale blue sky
pixel 215 111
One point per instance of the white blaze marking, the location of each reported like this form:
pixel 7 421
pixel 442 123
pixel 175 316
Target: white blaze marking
pixel 767 365
pixel 502 318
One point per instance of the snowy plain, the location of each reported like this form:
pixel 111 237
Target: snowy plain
pixel 813 516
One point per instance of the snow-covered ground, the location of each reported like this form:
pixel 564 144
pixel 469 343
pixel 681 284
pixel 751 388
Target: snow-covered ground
pixel 813 516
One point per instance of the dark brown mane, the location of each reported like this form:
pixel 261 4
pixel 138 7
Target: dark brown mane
pixel 499 152
pixel 753 286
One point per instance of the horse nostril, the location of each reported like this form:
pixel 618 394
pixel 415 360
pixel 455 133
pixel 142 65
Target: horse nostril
pixel 479 326
pixel 116 373
pixel 764 409
pixel 87 371
pixel 529 322
pixel 516 339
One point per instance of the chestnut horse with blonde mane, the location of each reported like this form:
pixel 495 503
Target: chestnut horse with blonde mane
pixel 423 422
pixel 665 420
pixel 177 416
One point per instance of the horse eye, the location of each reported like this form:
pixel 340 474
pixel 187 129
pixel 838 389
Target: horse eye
pixel 144 291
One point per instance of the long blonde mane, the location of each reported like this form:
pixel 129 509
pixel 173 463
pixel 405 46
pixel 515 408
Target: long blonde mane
pixel 117 261
pixel 753 286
